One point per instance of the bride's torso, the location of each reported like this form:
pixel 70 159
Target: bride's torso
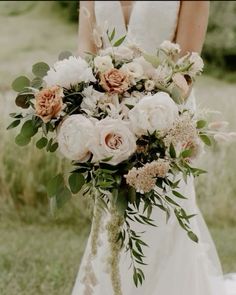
pixel 149 22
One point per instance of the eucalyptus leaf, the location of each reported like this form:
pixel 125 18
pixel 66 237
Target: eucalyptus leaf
pixel 28 129
pixel 40 69
pixel 20 83
pixel 62 197
pixel 21 140
pixel 22 100
pixel 64 55
pixel 76 181
pixel 37 82
pixel 42 143
pixel 55 185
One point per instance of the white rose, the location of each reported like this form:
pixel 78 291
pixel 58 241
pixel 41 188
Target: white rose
pixel 134 70
pixel 170 48
pixel 73 137
pixel 113 139
pixel 103 63
pixel 197 62
pixel 157 112
pixel 120 53
pixel 69 72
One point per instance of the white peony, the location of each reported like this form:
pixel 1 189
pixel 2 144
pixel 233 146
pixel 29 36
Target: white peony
pixel 157 112
pixel 197 64
pixel 170 47
pixel 133 70
pixel 73 136
pixel 68 72
pixel 103 63
pixel 120 53
pixel 113 138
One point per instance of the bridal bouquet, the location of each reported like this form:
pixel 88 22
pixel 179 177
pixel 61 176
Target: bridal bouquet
pixel 120 117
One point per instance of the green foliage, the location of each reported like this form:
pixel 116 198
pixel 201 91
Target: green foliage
pixel 219 50
pixel 40 69
pixel 69 9
pixel 76 181
pixel 20 83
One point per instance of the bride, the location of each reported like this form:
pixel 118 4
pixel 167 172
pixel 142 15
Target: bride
pixel 176 265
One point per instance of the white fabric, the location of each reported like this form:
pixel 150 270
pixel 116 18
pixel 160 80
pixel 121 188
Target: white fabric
pixel 176 265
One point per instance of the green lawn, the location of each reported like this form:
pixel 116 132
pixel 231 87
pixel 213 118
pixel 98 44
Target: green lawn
pixel 39 254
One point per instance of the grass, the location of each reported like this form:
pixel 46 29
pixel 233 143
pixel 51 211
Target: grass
pixel 40 258
pixel 41 254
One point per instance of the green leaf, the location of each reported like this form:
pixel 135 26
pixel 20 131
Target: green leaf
pixel 152 59
pixel 53 147
pixel 28 129
pixel 205 139
pixel 172 151
pixel 22 100
pixel 21 140
pixel 20 83
pixel 192 236
pixel 112 35
pixel 62 197
pixel 178 195
pixel 13 124
pixel 64 55
pixel 55 185
pixel 187 153
pixel 119 42
pixel 168 199
pixel 201 124
pixel 40 69
pixel 76 181
pixel 41 143
pixel 37 82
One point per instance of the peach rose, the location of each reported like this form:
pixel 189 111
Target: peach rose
pixel 115 81
pixel 49 103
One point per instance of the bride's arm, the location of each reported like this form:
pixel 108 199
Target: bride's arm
pixel 86 23
pixel 192 25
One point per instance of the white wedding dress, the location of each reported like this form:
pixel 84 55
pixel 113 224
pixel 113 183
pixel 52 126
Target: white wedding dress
pixel 176 265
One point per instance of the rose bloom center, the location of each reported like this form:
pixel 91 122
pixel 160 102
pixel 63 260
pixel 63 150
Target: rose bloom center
pixel 113 141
